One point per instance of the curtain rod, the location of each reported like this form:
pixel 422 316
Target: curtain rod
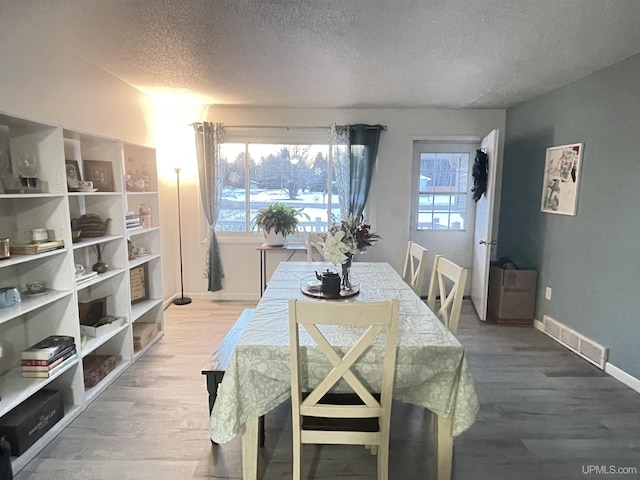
pixel 286 127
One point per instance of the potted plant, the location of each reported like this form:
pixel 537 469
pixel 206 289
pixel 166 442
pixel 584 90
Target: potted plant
pixel 277 220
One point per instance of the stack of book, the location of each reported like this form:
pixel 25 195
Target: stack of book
pixel 132 221
pixel 34 248
pixel 48 356
pixel 83 277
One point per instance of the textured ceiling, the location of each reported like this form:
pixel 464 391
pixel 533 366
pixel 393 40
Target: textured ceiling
pixel 347 53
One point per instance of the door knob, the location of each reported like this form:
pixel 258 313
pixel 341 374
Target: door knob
pixel 484 242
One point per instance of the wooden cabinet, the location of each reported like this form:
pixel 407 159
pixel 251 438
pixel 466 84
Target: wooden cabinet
pixel 51 205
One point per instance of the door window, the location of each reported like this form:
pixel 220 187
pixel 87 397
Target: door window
pixel 442 190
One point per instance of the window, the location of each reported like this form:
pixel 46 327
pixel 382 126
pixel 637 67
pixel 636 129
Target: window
pixel 256 174
pixel 442 191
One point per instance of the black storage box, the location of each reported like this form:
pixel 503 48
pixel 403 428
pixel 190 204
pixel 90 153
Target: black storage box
pixel 34 417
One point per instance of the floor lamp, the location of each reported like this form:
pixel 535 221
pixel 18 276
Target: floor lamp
pixel 182 300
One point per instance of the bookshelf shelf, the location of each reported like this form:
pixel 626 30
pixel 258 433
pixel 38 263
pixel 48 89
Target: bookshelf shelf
pixel 58 312
pixel 93 343
pixel 30 304
pixel 16 388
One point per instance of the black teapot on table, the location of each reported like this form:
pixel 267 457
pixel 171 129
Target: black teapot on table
pixel 330 282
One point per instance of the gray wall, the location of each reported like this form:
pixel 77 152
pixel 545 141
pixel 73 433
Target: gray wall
pixel 592 260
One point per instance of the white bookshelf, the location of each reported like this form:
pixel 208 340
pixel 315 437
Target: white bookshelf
pixel 56 312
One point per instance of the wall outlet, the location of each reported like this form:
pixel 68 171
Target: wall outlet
pixel 547 293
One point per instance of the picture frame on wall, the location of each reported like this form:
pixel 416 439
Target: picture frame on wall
pixel 73 175
pixel 100 173
pixel 139 283
pixel 562 168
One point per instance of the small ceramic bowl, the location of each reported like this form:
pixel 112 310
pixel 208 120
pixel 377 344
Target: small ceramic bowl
pixel 35 287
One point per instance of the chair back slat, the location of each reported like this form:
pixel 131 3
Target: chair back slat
pixel 415 264
pixel 375 324
pixel 447 282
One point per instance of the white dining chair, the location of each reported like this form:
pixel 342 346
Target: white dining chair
pixel 415 267
pixel 320 417
pixel 314 243
pixel 447 282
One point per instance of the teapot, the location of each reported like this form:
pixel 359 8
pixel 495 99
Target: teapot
pixel 9 296
pixel 330 282
pixel 91 225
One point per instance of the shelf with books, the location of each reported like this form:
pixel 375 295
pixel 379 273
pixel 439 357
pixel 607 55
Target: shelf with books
pixel 16 388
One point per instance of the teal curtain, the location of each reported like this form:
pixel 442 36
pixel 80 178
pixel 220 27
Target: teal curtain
pixel 363 150
pixel 354 149
pixel 208 139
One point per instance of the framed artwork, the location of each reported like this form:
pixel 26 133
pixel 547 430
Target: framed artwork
pixel 561 179
pixel 100 173
pixel 139 283
pixel 73 174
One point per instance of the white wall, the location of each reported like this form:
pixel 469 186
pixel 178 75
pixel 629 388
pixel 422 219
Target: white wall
pixel 45 84
pixel 390 199
pixel 48 85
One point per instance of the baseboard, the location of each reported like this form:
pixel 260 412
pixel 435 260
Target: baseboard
pixel 619 374
pixel 585 347
pixel 243 297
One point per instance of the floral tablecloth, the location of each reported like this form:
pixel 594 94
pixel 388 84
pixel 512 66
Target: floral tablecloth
pixel 431 369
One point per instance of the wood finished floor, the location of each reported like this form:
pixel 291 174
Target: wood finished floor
pixel 545 414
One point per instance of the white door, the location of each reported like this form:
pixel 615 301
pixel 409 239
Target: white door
pixel 443 211
pixel 484 240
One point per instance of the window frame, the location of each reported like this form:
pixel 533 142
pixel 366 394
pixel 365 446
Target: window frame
pixel 271 136
pixel 436 147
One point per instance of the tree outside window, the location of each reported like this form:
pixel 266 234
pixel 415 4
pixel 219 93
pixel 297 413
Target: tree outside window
pixel 256 175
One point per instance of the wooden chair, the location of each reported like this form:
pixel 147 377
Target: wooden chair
pixel 313 243
pixel 319 417
pixel 447 282
pixel 415 267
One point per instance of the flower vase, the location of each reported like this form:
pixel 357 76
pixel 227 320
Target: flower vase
pixel 99 266
pixel 346 273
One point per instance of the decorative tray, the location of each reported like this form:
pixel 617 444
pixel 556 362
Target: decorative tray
pixel 312 289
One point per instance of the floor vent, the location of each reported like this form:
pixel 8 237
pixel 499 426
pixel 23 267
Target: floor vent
pixel 575 342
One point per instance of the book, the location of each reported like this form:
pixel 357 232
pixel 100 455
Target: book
pixel 47 348
pixel 53 371
pixel 33 248
pixel 51 366
pixel 66 353
pixel 86 276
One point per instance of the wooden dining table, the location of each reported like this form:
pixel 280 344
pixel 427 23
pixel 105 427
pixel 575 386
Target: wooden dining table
pixel 431 368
